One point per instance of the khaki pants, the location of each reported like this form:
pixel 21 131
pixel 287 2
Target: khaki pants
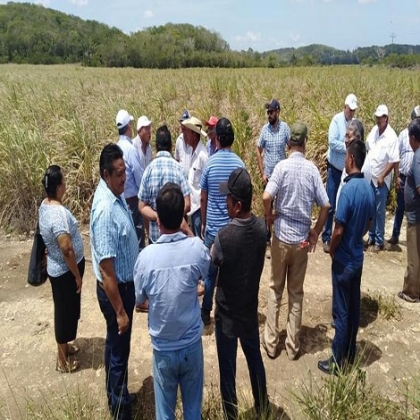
pixel 287 261
pixel 412 274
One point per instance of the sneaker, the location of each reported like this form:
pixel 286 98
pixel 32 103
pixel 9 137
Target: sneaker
pixel 326 247
pixel 205 316
pixel 393 240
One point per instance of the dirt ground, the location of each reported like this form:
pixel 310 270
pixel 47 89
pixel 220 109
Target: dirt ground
pixel 28 351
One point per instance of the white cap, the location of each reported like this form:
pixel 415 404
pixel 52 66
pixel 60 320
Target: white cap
pixel 195 125
pixel 381 110
pixel 123 118
pixel 143 121
pixel 351 101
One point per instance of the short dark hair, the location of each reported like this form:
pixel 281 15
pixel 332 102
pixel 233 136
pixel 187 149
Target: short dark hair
pixel 53 178
pixel 414 129
pixel 170 205
pixel 224 132
pixel 110 153
pixel 163 139
pixel 357 148
pixel 123 130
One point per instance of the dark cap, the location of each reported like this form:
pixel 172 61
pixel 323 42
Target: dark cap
pixel 415 113
pixel 239 185
pixel 185 115
pixel 298 134
pixel 273 105
pixel 224 126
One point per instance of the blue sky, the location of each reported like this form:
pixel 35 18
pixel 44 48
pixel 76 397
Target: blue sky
pixel 343 24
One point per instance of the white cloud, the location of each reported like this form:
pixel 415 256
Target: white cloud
pixel 248 37
pixel 148 14
pixel 366 1
pixel 44 3
pixel 79 3
pixel 294 37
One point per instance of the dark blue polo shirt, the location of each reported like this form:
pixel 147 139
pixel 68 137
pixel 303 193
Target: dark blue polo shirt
pixel 356 206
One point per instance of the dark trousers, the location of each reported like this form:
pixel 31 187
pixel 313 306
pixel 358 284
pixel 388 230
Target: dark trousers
pixel 346 311
pixel 226 352
pixel 117 351
pixel 399 211
pixel 333 182
pixel 133 204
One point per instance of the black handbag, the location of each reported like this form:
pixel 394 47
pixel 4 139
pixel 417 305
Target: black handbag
pixel 37 272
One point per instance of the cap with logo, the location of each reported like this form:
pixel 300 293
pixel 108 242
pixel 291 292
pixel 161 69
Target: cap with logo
pixel 351 101
pixel 185 115
pixel 273 105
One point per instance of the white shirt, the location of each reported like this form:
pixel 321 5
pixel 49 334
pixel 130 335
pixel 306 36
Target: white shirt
pixel 198 161
pixel 183 153
pixel 145 158
pixel 382 150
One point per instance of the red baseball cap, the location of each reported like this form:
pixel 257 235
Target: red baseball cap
pixel 212 121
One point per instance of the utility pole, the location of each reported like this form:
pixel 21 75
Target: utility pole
pixel 393 36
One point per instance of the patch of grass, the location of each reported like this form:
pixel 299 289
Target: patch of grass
pixel 387 306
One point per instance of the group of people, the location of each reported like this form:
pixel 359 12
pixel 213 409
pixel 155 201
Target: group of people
pixel 194 211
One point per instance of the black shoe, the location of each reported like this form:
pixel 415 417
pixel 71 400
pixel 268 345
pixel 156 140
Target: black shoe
pixel 132 399
pixel 368 243
pixel 393 240
pixel 205 316
pixel 328 366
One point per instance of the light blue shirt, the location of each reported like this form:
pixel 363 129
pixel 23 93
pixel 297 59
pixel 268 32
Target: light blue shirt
pixel 56 220
pixel 336 154
pixel 112 233
pixel 167 273
pixel 133 168
pixel 406 152
pixel 298 186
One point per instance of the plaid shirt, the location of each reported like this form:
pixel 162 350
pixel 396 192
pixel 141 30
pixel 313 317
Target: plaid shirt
pixel 164 168
pixel 298 185
pixel 274 144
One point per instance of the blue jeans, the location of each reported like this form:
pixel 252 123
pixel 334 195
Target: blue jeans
pixel 377 228
pixel 179 367
pixel 333 182
pixel 133 204
pixel 210 280
pixel 399 211
pixel 346 311
pixel 117 351
pixel 196 223
pixel 226 352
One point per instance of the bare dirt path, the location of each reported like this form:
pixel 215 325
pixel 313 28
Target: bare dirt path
pixel 27 346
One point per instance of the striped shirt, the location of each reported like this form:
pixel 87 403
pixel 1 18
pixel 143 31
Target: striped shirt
pixel 298 185
pixel 133 169
pixel 218 169
pixel 164 168
pixel 406 152
pixel 274 142
pixel 112 234
pixel 336 154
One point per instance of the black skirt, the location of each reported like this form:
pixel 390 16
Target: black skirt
pixel 66 305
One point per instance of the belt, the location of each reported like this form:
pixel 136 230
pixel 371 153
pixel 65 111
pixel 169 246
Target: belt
pixel 122 286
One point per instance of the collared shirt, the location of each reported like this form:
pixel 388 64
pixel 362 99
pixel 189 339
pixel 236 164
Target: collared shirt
pixel 164 168
pixel 366 171
pixel 218 169
pixel 406 152
pixel 382 149
pixel 355 208
pixel 411 195
pixel 112 233
pixel 133 169
pixel 198 162
pixel 336 154
pixel 183 153
pixel 145 158
pixel 211 150
pixel 167 273
pixel 273 141
pixel 298 185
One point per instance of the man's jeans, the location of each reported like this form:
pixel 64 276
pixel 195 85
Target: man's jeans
pixel 226 352
pixel 133 204
pixel 210 280
pixel 196 223
pixel 333 182
pixel 377 228
pixel 399 211
pixel 184 367
pixel 117 350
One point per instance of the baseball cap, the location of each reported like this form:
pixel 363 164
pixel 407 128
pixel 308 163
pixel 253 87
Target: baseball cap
pixel 239 185
pixel 212 121
pixel 195 125
pixel 143 121
pixel 123 118
pixel 381 110
pixel 415 113
pixel 185 115
pixel 224 126
pixel 298 133
pixel 274 105
pixel 351 101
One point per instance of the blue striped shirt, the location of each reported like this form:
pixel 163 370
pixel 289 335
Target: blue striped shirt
pixel 336 154
pixel 298 185
pixel 274 142
pixel 406 152
pixel 164 168
pixel 133 168
pixel 112 233
pixel 218 169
